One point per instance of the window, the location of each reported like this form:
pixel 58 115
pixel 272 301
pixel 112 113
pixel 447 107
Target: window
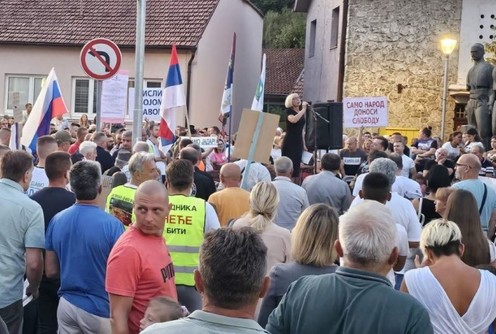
pixel 28 88
pixel 335 28
pixel 313 31
pixel 84 94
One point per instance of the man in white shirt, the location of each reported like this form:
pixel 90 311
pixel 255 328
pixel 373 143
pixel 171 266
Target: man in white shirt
pixel 401 208
pixel 44 146
pixel 293 199
pixel 153 142
pixel 407 187
pixel 407 162
pixel 376 187
pixel 258 172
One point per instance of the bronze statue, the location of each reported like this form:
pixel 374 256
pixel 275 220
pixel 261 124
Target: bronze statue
pixel 480 85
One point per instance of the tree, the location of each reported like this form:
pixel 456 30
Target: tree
pixel 491 48
pixel 272 5
pixel 284 29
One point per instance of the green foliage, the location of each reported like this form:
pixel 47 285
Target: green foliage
pixel 272 5
pixel 284 29
pixel 278 110
pixel 491 49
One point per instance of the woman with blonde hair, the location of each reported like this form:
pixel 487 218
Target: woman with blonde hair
pixel 458 297
pixel 264 200
pixel 441 199
pixel 462 209
pixel 293 144
pixel 312 249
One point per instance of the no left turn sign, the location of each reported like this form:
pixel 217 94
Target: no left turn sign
pixel 100 58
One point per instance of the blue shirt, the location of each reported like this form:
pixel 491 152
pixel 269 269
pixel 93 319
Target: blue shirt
pixel 476 187
pixel 21 227
pixel 82 236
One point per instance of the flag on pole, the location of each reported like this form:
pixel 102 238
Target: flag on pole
pixel 226 106
pixel 258 100
pixel 48 105
pixel 14 137
pixel 173 100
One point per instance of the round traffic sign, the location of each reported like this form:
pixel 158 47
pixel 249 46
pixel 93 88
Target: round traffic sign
pixel 100 58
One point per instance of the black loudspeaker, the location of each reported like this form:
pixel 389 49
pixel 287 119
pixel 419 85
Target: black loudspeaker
pixel 329 135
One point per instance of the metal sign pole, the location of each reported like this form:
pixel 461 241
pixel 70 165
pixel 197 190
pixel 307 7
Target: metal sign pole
pixel 251 153
pixel 99 84
pixel 140 67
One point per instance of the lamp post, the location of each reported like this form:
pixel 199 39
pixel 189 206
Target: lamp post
pixel 447 47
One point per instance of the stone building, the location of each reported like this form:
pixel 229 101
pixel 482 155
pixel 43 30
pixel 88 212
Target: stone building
pixel 392 48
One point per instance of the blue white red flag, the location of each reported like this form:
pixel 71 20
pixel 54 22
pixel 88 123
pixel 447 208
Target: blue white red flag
pixel 258 100
pixel 48 105
pixel 226 106
pixel 173 100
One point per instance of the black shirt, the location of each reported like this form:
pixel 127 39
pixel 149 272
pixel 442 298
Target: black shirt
pixel 204 185
pixel 104 158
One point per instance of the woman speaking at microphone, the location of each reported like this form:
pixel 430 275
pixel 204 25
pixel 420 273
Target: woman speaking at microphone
pixel 294 141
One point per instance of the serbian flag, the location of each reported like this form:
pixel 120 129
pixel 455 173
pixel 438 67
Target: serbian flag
pixel 172 101
pixel 48 105
pixel 226 105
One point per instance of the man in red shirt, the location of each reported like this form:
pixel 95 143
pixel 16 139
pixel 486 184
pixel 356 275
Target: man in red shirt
pixel 139 266
pixel 80 135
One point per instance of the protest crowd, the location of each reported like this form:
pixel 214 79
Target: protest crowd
pixel 392 235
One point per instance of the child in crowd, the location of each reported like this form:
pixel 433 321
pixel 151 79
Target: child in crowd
pixel 161 309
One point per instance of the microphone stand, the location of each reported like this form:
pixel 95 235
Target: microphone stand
pixel 315 116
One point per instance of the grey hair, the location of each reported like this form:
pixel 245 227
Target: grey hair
pixel 86 178
pixel 138 160
pixel 141 146
pixel 87 147
pixel 481 148
pixel 367 233
pixel 283 165
pixel 385 166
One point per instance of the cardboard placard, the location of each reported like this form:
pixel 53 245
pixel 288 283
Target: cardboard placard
pixel 246 130
pixel 365 111
pixel 203 142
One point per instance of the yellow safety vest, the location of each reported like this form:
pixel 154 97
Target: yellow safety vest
pixel 184 232
pixel 120 203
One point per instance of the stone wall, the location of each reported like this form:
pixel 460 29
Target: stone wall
pixel 393 42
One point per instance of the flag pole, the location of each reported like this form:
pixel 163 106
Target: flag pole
pixel 232 94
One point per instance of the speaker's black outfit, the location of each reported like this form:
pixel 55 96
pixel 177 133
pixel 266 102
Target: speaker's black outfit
pixel 292 145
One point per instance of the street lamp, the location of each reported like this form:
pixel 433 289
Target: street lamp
pixel 447 46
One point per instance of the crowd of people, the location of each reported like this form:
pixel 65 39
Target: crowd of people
pixel 103 236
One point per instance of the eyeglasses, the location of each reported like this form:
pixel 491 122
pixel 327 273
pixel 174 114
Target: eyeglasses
pixel 458 165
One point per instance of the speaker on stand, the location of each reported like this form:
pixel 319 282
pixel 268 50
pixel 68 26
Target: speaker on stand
pixel 324 127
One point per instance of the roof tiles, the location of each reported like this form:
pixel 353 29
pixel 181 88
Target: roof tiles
pixel 75 22
pixel 284 67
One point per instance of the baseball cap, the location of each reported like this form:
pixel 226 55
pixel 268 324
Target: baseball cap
pixel 63 136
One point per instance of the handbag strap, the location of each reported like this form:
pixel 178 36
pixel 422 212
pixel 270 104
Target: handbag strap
pixel 419 213
pixel 483 199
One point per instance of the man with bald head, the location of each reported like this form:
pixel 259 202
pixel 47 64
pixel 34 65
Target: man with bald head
pixel 467 171
pixel 203 183
pixel 139 267
pixel 232 201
